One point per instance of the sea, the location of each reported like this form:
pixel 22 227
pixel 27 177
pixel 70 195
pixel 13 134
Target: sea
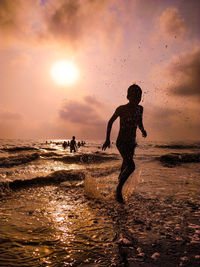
pixel 58 208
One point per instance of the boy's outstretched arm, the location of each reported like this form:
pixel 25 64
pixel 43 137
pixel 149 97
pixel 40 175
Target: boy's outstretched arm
pixel 109 127
pixel 140 124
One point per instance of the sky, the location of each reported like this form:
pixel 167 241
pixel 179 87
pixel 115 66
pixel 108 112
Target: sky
pixel 113 43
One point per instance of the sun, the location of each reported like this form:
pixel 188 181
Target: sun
pixel 65 72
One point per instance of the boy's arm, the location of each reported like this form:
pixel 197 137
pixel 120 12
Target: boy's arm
pixel 140 123
pixel 109 127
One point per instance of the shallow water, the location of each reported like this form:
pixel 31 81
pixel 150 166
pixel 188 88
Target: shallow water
pixel 54 225
pixel 76 221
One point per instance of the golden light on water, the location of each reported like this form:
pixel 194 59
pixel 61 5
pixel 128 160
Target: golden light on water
pixel 65 72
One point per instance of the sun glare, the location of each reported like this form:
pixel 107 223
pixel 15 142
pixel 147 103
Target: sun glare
pixel 64 72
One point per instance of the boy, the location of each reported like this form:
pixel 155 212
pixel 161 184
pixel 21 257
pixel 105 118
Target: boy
pixel 130 118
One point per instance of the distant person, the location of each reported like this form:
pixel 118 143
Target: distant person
pixel 79 143
pixel 73 145
pixel 64 144
pixel 131 117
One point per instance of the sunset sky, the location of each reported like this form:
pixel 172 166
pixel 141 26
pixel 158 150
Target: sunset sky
pixel 112 43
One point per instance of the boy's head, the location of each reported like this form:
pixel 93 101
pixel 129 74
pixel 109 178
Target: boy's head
pixel 134 93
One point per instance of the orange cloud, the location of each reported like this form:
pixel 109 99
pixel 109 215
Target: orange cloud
pixel 176 115
pixel 84 116
pixel 171 23
pixel 186 69
pixel 172 123
pixel 20 20
pixel 91 100
pixel 71 22
pixel 9 18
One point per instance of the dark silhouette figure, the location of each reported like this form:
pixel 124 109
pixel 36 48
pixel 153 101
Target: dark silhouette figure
pixel 79 143
pixel 82 143
pixel 64 144
pixel 131 116
pixel 73 145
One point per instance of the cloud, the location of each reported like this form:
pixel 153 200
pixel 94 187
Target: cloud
pixel 80 113
pixel 71 22
pixel 178 92
pixel 20 20
pixel 9 19
pixel 186 70
pixel 85 116
pixel 171 23
pixel 167 123
pixel 59 20
pixel 77 112
pixel 180 76
pixel 76 21
pixel 68 19
pixel 91 100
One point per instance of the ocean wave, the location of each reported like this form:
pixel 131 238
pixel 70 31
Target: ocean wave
pixel 7 162
pixel 99 172
pixel 56 177
pixel 86 158
pixel 49 148
pixel 53 155
pixel 19 149
pixel 179 146
pixel 177 158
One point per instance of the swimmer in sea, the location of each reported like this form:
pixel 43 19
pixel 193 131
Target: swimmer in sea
pixel 73 145
pixel 131 117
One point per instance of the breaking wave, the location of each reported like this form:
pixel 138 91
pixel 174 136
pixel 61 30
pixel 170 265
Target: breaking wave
pixel 56 177
pixel 177 158
pixel 87 158
pixel 7 162
pixel 20 159
pixel 179 146
pixel 19 149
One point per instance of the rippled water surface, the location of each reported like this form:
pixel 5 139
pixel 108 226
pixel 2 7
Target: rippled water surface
pixel 61 211
pixel 54 225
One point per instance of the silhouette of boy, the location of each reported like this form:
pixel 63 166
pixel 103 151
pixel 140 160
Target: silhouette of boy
pixel 73 144
pixel 131 116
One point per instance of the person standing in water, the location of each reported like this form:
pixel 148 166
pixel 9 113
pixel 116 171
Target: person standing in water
pixel 131 117
pixel 73 145
pixel 64 144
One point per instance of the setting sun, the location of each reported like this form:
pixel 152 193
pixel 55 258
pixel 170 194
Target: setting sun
pixel 64 72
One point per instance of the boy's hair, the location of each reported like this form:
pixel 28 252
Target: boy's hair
pixel 134 91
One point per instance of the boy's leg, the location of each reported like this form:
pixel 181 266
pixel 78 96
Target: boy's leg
pixel 123 178
pixel 123 167
pixel 128 166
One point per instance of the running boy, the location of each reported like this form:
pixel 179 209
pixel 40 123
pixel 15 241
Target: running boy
pixel 130 118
